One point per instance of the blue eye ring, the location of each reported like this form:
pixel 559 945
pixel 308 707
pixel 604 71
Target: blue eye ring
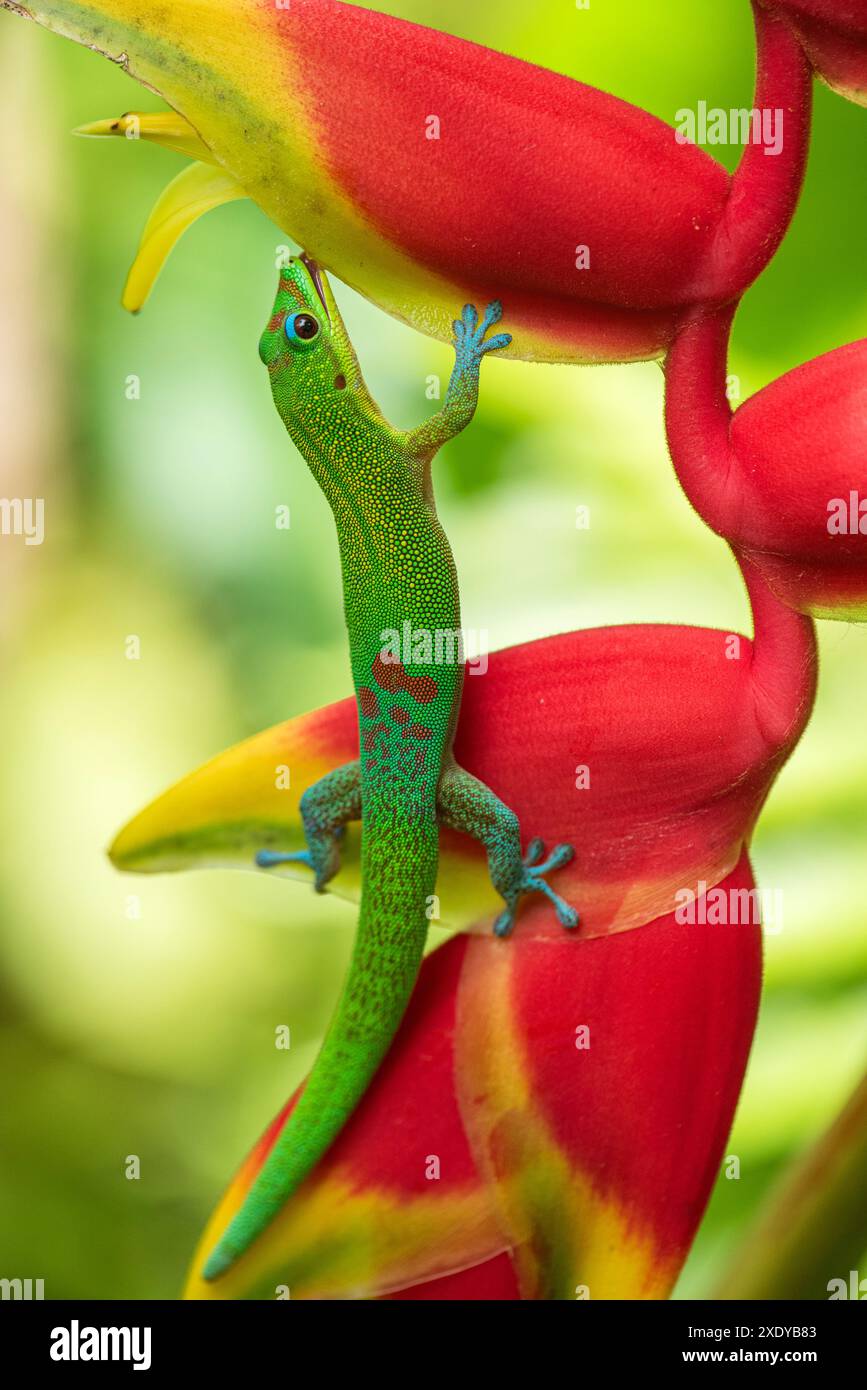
pixel 301 328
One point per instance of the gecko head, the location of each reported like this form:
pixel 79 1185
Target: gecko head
pixel 305 345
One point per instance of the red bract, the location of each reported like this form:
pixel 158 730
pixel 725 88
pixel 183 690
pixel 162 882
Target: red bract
pixel 598 1085
pixel 550 162
pixel 492 1281
pixel 566 1102
pixel 834 36
pixel 426 171
pixel 784 477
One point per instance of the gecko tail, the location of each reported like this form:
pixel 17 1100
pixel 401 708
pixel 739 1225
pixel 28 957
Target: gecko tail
pixel 386 960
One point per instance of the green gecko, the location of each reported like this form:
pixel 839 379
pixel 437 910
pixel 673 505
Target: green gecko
pixel 397 568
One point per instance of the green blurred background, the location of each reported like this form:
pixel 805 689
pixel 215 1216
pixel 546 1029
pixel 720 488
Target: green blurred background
pixel 137 1015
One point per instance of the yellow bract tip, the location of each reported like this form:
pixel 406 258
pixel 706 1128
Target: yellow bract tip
pixel 165 128
pixel 193 192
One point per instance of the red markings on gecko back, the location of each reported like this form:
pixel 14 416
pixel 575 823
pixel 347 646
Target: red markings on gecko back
pixel 391 676
pixel 370 738
pixel 375 739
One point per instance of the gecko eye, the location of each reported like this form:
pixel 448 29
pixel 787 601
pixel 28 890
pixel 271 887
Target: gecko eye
pixel 303 326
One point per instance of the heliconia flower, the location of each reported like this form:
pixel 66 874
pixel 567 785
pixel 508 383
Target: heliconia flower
pixel 834 35
pixel 491 1127
pixel 783 477
pixel 426 171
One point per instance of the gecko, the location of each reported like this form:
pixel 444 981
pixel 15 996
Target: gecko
pixel 397 567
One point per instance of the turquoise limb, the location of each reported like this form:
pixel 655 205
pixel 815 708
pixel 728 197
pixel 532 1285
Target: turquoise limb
pixel 467 805
pixel 462 394
pixel 326 808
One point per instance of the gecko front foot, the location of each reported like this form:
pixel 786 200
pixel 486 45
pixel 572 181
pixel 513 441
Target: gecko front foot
pixel 469 336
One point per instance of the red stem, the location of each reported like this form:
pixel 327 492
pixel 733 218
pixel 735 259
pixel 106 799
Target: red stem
pixel 698 423
pixel 698 418
pixel 765 187
pixel 784 664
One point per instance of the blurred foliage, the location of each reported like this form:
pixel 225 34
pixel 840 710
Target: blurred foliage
pixel 138 1016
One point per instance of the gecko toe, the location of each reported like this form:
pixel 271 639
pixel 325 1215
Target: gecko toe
pixel 534 852
pixel 505 922
pixel 493 313
pixel 560 856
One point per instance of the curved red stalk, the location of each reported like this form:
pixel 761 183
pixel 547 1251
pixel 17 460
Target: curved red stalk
pixel 783 660
pixel 698 417
pixel 698 420
pixel 765 187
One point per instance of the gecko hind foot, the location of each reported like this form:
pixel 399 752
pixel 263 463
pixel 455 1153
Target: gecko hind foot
pixel 532 882
pixel 326 809
pixel 557 859
pixel 322 856
pixel 467 805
